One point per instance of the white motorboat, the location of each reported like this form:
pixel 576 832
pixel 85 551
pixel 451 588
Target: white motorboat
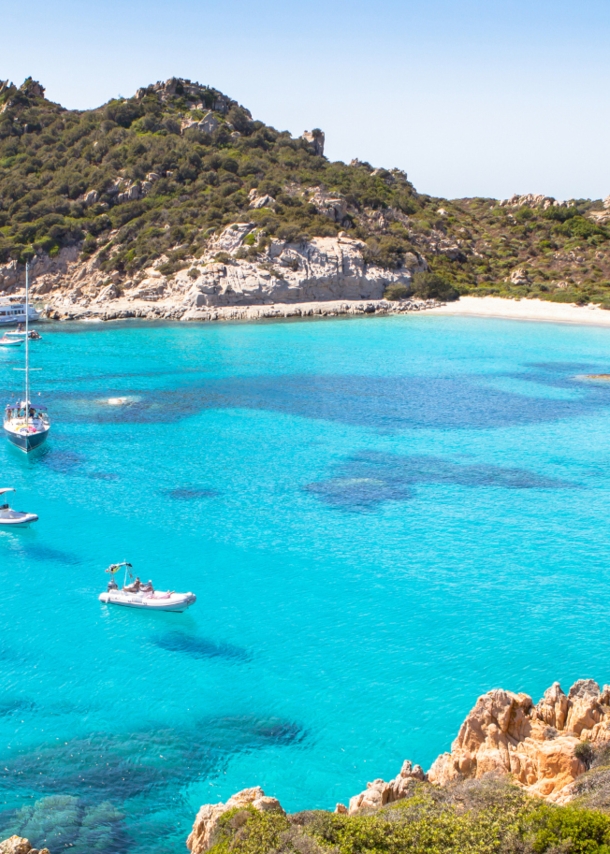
pixel 26 426
pixel 143 596
pixel 10 518
pixel 19 334
pixel 5 341
pixel 11 312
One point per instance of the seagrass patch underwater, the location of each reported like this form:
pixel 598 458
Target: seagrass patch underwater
pixel 381 518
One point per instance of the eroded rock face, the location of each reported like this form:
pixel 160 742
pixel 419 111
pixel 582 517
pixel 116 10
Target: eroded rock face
pixel 379 793
pixel 506 733
pixel 19 845
pixel 206 822
pixel 323 269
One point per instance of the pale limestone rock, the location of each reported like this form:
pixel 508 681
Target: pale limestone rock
pixel 519 277
pixel 91 197
pixel 262 202
pixel 209 123
pixel 131 194
pixel 200 838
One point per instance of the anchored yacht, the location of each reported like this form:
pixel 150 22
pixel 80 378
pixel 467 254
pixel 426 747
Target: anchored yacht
pixel 26 426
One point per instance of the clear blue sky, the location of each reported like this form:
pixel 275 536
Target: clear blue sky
pixel 481 97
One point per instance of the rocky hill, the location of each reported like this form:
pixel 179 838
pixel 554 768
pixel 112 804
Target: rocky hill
pixel 176 201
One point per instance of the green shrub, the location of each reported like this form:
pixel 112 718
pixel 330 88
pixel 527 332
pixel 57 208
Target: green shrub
pixel 396 292
pixel 433 286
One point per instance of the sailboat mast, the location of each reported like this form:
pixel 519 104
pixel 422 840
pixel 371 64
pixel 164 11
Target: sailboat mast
pixel 27 342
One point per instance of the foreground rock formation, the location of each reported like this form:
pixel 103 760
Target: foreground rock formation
pixel 220 285
pixel 19 845
pixel 206 823
pixel 544 748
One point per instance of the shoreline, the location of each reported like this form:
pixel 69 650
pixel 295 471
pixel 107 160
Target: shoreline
pixel 532 310
pixel 536 310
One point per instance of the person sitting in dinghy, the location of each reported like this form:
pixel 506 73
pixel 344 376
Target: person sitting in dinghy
pixel 147 588
pixel 112 585
pixel 135 587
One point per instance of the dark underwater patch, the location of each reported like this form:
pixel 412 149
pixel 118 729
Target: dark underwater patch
pixel 198 647
pixel 382 403
pixel 370 478
pixel 61 461
pixel 15 705
pixel 190 493
pixel 37 551
pixel 118 766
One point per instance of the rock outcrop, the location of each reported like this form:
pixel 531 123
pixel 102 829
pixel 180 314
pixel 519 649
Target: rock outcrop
pixel 19 845
pixel 201 837
pixel 379 793
pixel 544 748
pixel 316 139
pixel 506 733
pixel 324 269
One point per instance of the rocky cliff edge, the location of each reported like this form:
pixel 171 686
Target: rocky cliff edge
pixel 543 747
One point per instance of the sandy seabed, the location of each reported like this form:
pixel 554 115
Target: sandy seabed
pixel 525 309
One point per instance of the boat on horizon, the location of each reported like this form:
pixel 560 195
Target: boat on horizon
pixel 143 596
pixel 26 426
pixel 10 518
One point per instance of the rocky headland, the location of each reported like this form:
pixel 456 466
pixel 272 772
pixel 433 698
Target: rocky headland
pixel 546 749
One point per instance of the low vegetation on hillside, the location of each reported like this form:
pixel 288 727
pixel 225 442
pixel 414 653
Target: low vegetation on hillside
pixel 159 174
pixel 472 817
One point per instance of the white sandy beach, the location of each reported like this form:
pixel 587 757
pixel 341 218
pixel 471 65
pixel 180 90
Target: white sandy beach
pixel 525 309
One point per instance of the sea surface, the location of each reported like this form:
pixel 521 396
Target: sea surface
pixel 382 518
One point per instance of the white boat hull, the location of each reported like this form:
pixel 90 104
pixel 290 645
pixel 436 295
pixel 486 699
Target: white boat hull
pixel 15 519
pixel 159 601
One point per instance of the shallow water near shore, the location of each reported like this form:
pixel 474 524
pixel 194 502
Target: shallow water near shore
pixel 382 518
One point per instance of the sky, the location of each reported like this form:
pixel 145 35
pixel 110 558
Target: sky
pixel 471 98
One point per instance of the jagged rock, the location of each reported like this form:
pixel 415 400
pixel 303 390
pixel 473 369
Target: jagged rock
pixel 91 197
pixel 334 207
pixel 19 845
pixel 201 837
pixel 519 277
pixel 15 845
pixel 379 793
pixel 316 139
pixel 131 194
pixel 262 202
pixel 209 123
pixel 506 734
pixel 531 200
pixel 109 292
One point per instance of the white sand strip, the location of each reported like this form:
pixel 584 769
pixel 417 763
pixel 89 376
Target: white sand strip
pixel 525 309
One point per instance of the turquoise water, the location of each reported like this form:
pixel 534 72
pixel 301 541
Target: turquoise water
pixel 381 518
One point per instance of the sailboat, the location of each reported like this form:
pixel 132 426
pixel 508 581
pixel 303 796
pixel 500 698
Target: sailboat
pixel 25 425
